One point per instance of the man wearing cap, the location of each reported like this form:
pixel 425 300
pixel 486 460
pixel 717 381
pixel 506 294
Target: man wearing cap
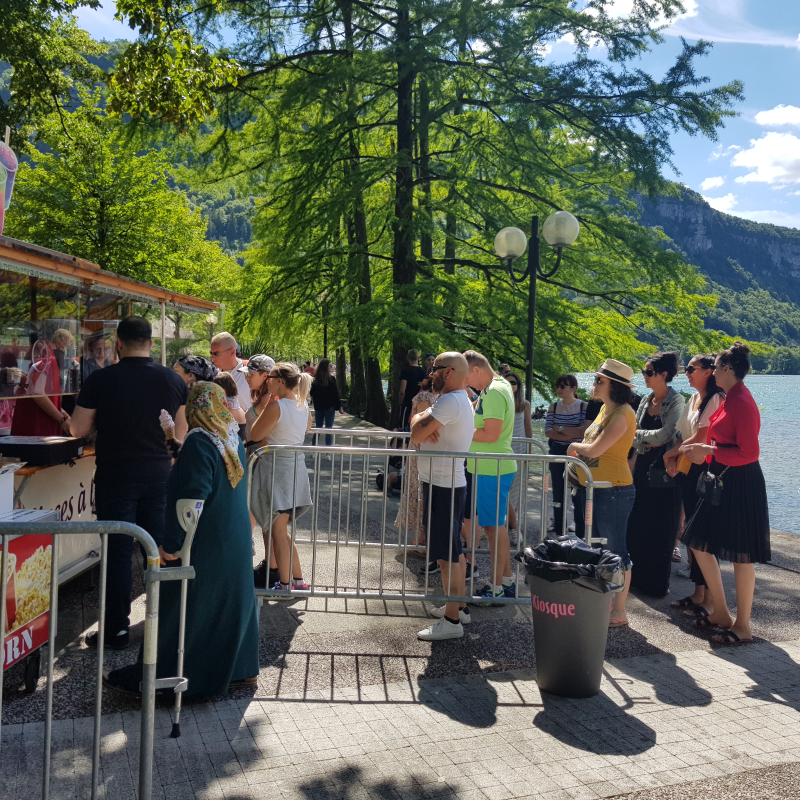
pixel 223 357
pixel 604 450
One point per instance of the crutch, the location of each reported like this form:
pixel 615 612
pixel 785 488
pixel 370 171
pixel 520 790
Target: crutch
pixel 189 512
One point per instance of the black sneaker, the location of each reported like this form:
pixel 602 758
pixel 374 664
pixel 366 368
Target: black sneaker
pixel 433 568
pixel 263 577
pixel 119 641
pixel 470 573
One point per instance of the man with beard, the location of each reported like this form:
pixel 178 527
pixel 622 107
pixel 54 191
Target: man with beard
pixel 447 426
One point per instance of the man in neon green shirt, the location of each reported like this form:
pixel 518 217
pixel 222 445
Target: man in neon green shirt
pixel 494 427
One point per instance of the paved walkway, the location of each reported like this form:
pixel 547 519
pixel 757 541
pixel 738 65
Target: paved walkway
pixel 659 721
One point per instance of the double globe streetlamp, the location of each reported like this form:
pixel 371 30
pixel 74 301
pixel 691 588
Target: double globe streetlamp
pixel 560 230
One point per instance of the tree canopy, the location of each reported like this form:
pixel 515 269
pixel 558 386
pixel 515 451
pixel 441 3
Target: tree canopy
pixel 95 196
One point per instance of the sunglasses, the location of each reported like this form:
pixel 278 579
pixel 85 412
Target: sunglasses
pixel 274 377
pixel 597 380
pixel 691 369
pixel 434 368
pixel 648 372
pixel 513 383
pixel 220 352
pixel 718 366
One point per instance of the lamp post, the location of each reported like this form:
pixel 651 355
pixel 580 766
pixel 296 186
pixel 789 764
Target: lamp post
pixel 560 230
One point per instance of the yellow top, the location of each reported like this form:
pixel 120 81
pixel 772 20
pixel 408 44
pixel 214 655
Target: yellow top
pixel 613 464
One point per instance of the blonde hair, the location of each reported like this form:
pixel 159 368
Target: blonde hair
pixel 293 378
pixel 224 338
pixel 475 359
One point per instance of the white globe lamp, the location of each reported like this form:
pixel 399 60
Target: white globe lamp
pixel 560 229
pixel 510 243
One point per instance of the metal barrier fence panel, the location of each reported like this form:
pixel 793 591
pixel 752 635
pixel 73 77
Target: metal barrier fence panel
pixel 153 576
pixel 350 544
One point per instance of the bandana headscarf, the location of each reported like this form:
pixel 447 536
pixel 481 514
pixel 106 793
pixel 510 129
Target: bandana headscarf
pixel 198 366
pixel 207 413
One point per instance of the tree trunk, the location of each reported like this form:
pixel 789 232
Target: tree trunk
pixel 404 267
pixel 341 371
pixel 358 389
pixel 425 237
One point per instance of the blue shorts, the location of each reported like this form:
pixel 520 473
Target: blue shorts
pixel 486 502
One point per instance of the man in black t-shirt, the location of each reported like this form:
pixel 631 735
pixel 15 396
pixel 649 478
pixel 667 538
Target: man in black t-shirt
pixel 410 379
pixel 123 402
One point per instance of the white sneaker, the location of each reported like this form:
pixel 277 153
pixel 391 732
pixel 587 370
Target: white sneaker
pixel 441 630
pixel 551 524
pixel 571 527
pixel 463 614
pixel 513 537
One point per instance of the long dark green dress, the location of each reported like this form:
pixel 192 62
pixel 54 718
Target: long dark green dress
pixel 221 621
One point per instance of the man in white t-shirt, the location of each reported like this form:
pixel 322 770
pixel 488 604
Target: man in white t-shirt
pixel 223 357
pixel 446 426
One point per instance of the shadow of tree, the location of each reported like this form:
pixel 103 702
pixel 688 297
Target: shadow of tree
pixel 350 782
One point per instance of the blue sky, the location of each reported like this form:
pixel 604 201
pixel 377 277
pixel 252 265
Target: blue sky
pixel 753 170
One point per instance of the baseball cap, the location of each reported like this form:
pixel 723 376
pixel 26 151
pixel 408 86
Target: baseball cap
pixel 259 363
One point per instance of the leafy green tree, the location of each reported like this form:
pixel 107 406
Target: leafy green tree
pixel 94 196
pixel 45 53
pixel 391 141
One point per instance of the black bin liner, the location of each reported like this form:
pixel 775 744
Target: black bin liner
pixel 571 585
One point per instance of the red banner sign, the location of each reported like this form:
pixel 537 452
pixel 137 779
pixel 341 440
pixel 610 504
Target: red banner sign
pixel 27 596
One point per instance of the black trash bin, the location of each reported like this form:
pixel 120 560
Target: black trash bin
pixel 571 585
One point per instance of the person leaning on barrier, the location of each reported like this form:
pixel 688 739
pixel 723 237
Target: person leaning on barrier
pixel 221 644
pixel 281 490
pixel 604 449
pixel 446 426
pixel 732 519
pixel 494 428
pixel 522 430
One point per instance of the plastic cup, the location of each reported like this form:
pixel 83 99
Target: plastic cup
pixel 8 160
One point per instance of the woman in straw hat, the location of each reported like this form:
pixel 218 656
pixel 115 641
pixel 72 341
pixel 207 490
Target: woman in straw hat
pixel 604 449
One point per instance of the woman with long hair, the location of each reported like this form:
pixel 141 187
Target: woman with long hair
pixel 409 515
pixel 522 429
pixel 605 448
pixel 325 397
pixel 283 493
pixel 654 518
pixel 693 429
pixel 564 424
pixel 731 520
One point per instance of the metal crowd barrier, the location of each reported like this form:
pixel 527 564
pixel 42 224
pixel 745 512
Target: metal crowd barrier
pixel 341 503
pixel 153 575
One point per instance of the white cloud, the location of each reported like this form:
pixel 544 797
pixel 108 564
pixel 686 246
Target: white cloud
pixel 725 21
pixel 780 115
pixel 724 204
pixel 711 183
pixel 719 152
pixel 787 220
pixel 624 8
pixel 774 158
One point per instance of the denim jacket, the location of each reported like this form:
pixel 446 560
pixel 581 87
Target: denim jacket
pixel 671 410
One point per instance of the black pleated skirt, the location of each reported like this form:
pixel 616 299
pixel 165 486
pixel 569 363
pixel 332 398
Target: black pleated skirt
pixel 737 529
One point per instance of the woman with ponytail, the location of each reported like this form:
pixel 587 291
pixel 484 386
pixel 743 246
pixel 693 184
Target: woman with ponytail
pixel 284 493
pixel 693 429
pixel 731 520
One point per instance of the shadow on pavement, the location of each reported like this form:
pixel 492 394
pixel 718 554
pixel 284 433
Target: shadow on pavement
pixel 350 782
pixel 672 684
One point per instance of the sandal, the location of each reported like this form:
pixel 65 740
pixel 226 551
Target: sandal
pixel 703 622
pixel 698 612
pixel 617 623
pixel 729 637
pixel 687 602
pixel 676 555
pixel 245 683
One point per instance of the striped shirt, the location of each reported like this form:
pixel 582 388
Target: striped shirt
pixel 572 416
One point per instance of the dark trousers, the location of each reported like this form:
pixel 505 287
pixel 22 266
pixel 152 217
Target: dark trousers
pixel 324 419
pixel 559 499
pixel 144 504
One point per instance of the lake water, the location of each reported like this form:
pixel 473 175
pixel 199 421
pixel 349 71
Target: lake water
pixel 777 397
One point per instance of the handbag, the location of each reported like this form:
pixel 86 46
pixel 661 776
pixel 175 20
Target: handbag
pixel 709 486
pixel 658 477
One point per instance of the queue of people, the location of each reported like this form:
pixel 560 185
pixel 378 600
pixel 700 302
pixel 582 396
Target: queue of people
pixel 656 455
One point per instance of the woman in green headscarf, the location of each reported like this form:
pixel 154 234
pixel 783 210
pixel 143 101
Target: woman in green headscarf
pixel 221 646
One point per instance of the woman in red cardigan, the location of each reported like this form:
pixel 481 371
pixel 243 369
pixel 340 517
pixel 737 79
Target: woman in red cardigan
pixel 737 529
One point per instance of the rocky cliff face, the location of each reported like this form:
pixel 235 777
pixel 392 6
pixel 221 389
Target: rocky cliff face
pixel 712 240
